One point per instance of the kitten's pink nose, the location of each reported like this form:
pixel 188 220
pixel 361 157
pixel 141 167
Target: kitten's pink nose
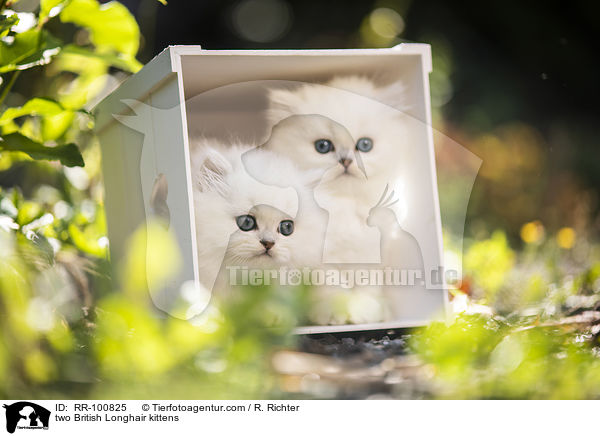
pixel 267 244
pixel 345 162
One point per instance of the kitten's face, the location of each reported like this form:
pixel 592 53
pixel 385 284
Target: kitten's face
pixel 265 236
pixel 316 142
pixel 374 133
pixel 242 219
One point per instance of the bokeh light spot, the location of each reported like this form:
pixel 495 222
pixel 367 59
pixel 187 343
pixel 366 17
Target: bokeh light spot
pixel 262 20
pixel 566 238
pixel 532 232
pixel 386 22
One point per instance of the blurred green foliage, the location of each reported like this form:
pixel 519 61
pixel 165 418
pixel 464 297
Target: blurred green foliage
pixel 67 329
pixel 490 358
pixel 45 127
pixel 490 260
pixel 54 343
pixel 537 335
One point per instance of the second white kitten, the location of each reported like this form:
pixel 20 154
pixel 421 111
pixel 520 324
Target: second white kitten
pixel 243 222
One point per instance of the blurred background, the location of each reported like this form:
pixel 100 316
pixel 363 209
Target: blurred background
pixel 513 82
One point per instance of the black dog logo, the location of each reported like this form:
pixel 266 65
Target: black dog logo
pixel 26 415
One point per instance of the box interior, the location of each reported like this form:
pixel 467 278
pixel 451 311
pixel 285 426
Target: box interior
pixel 213 112
pixel 226 98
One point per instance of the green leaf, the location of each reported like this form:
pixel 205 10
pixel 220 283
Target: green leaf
pixel 86 241
pixel 123 62
pixel 55 119
pixel 34 107
pixel 28 211
pixel 6 22
pixel 28 49
pixel 111 25
pixel 47 8
pixel 55 126
pixel 67 154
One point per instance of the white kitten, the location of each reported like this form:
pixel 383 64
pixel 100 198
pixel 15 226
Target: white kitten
pixel 346 129
pixel 378 133
pixel 242 222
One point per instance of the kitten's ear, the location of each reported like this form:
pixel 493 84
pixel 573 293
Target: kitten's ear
pixel 393 95
pixel 360 85
pixel 212 172
pixel 282 104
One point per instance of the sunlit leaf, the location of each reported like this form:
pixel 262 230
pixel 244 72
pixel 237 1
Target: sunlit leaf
pixel 50 8
pixel 60 337
pixel 28 49
pixel 111 25
pixel 27 21
pixel 39 367
pixel 34 107
pixel 153 258
pixel 3 362
pixel 91 80
pixel 6 22
pixel 29 128
pixel 28 211
pixel 124 62
pixel 130 342
pixel 67 154
pixel 55 126
pixel 488 262
pixel 86 242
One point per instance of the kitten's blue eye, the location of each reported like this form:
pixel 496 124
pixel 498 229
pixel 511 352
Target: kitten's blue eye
pixel 286 227
pixel 323 145
pixel 246 223
pixel 364 144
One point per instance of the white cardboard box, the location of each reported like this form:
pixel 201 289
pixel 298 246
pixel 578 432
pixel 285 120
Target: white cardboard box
pixel 132 161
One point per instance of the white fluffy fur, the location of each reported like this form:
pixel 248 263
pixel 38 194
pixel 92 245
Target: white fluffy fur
pixel 223 190
pixel 344 110
pixel 234 180
pixel 363 110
